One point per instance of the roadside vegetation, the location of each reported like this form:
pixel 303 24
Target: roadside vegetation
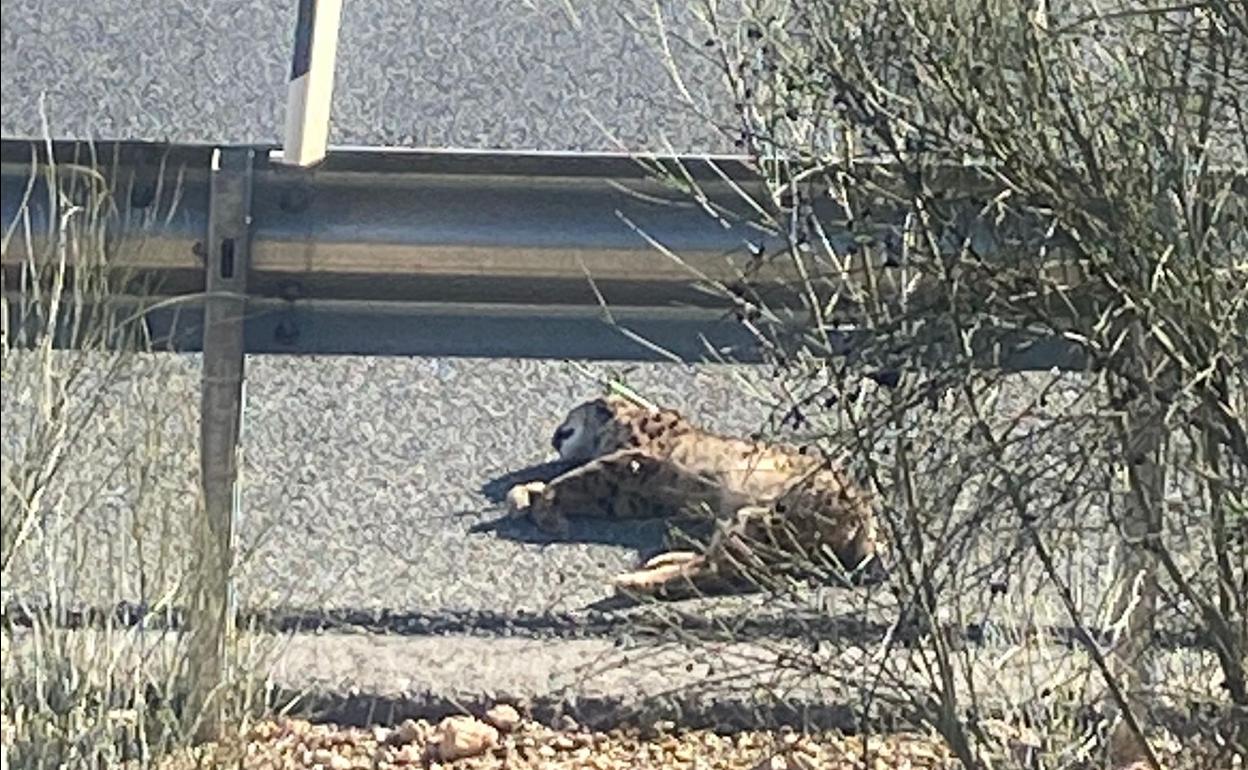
pixel 999 271
pixel 93 662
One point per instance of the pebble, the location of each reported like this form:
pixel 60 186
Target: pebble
pixel 408 731
pixel 504 717
pixel 460 737
pixel 409 755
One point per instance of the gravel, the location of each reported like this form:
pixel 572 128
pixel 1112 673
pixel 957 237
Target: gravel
pixel 293 743
pixel 299 744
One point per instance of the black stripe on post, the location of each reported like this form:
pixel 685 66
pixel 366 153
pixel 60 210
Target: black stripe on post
pixel 302 60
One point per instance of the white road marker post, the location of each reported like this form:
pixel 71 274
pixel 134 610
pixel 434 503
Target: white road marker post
pixel 311 85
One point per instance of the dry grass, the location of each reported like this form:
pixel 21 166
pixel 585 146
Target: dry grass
pixel 74 699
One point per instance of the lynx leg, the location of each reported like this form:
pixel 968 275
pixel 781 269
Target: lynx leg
pixel 669 557
pixel 675 573
pixel 625 484
pixel 660 569
pixel 667 573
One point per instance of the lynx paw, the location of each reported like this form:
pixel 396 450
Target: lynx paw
pixel 525 501
pixel 520 498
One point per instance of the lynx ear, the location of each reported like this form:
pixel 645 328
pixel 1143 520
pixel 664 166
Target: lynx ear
pixel 601 409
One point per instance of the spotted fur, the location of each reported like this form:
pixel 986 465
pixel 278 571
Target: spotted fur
pixel 770 501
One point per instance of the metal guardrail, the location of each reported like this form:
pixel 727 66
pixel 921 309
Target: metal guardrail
pixel 426 252
pixel 449 253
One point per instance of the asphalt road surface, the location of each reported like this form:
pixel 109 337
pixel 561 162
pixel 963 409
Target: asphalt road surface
pixel 449 73
pixel 376 466
pixel 363 478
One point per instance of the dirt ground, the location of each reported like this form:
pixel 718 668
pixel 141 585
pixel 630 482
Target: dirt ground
pixel 468 743
pixel 294 744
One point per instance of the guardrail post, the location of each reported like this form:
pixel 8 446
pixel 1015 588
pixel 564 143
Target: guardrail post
pixel 221 407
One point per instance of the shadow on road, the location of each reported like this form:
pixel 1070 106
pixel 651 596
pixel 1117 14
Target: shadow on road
pixel 648 537
pixel 495 490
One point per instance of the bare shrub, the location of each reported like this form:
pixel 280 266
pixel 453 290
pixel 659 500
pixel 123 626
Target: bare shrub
pixel 956 196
